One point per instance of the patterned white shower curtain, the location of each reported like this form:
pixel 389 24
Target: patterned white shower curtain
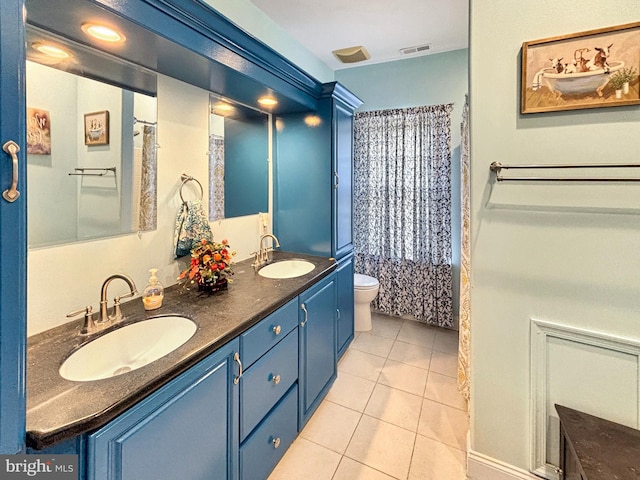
pixel 402 209
pixel 464 338
pixel 149 181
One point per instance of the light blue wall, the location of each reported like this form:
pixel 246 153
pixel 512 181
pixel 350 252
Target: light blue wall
pixel 565 253
pixel 426 80
pixel 250 18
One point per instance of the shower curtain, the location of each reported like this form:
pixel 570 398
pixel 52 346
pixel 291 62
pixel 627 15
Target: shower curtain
pixel 149 181
pixel 402 209
pixel 465 261
pixel 216 177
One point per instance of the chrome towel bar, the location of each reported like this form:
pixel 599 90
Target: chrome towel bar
pixel 497 167
pixel 82 170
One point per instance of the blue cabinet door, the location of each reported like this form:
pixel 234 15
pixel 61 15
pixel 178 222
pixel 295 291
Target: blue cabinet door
pixel 343 179
pixel 344 288
pixel 187 430
pixel 317 345
pixel 13 243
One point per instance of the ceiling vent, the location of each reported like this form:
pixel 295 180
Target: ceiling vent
pixel 418 49
pixel 352 54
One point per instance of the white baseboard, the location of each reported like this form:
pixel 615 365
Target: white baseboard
pixel 483 467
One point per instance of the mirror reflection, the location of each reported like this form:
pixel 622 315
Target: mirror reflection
pixel 238 159
pixel 91 151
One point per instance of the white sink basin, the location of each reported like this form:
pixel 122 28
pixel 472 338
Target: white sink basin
pixel 286 269
pixel 127 348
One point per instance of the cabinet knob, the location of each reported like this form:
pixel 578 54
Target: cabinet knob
pixel 276 442
pixel 275 379
pixel 277 329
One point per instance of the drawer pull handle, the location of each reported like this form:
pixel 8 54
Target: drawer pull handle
pixel 236 357
pixel 277 329
pixel 11 194
pixel 306 315
pixel 275 379
pixel 276 442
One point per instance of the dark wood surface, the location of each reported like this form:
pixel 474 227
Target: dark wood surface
pixel 604 450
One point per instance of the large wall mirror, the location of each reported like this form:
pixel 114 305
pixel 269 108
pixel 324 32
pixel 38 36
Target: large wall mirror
pixel 91 143
pixel 238 159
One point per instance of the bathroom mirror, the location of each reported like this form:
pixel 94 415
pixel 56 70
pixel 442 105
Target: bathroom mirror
pixel 91 143
pixel 238 159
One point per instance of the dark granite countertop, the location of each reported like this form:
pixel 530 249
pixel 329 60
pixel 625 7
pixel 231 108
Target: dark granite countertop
pixel 59 409
pixel 605 450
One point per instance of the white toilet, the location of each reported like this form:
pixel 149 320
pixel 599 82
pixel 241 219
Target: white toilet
pixel 365 289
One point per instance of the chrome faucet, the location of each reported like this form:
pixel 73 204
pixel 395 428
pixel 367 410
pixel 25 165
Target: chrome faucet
pixel 104 317
pixel 262 255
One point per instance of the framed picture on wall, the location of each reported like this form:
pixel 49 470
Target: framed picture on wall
pixel 597 68
pixel 38 131
pixel 96 128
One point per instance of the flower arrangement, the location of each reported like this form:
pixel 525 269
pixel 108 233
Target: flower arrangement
pixel 210 266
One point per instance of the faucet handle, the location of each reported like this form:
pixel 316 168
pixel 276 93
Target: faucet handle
pixel 89 323
pixel 117 311
pixel 85 310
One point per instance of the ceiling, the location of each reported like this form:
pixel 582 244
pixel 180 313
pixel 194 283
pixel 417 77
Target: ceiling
pixel 382 27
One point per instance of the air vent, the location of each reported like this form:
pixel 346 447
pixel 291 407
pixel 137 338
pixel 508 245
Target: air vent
pixel 352 54
pixel 417 49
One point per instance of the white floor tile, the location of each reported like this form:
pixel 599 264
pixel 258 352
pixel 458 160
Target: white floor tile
pixel 385 326
pixel 446 341
pixel 351 391
pixel 417 334
pixel 444 363
pixel 444 423
pixel 443 389
pixel 395 406
pixel 308 461
pixel 373 344
pixel 433 460
pixel 376 406
pixel 411 354
pixel 404 377
pixel 352 470
pixel 331 426
pixel 382 446
pixel 361 364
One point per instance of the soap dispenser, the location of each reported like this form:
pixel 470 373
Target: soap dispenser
pixel 153 292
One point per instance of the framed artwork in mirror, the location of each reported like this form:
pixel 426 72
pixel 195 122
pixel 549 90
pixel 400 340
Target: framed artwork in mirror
pixel 96 128
pixel 38 131
pixel 596 68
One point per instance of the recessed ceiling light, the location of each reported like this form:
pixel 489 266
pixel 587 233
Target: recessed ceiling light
pixel 223 106
pixel 102 32
pixel 51 50
pixel 267 101
pixel 312 120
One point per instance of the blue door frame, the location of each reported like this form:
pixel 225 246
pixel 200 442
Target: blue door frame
pixel 13 221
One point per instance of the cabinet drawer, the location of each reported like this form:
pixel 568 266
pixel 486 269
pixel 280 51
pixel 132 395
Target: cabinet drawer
pixel 266 382
pixel 265 447
pixel 256 341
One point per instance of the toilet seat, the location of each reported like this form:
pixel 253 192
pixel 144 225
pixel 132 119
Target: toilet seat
pixel 364 282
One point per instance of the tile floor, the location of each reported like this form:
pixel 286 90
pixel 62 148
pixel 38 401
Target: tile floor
pixel 394 412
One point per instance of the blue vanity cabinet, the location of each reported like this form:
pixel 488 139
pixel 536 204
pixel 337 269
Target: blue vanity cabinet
pixel 342 163
pixel 344 289
pixel 317 345
pixel 314 175
pixel 13 240
pixel 187 430
pixel 268 391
